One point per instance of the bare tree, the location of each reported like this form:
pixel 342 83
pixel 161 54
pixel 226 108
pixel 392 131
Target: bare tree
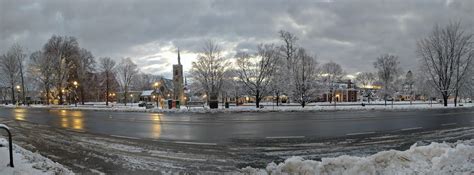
pixel 388 69
pixel 446 54
pixel 209 70
pixel 63 50
pixel 255 72
pixel 10 66
pixel 107 66
pixel 423 86
pixel 365 79
pixel 18 52
pixel 84 66
pixel 145 81
pixel 288 51
pixel 280 80
pixel 304 72
pixel 331 72
pixel 409 81
pixel 127 70
pixel 467 88
pixel 41 68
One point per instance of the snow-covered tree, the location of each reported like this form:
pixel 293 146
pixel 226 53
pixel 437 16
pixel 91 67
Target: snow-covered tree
pixel 388 70
pixel 409 81
pixel 209 69
pixel 331 72
pixel 11 66
pixel 446 55
pixel 365 79
pixel 84 66
pixel 305 73
pixel 126 72
pixel 288 51
pixel 40 69
pixel 62 50
pixel 107 67
pixel 256 71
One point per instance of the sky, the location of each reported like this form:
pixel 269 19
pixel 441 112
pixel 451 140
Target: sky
pixel 352 33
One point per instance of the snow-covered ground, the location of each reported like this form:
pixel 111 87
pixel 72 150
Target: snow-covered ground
pixel 268 107
pixel 436 158
pixel 27 162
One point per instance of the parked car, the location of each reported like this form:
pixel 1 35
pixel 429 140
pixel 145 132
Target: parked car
pixel 148 105
pixel 141 104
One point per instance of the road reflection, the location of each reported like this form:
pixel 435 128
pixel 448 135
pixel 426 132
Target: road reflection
pixel 71 119
pixel 156 127
pixel 19 114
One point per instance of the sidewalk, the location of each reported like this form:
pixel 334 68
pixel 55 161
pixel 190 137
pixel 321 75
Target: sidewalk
pixel 27 162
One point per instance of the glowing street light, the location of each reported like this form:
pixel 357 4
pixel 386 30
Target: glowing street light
pixel 75 92
pixel 18 94
pixel 156 85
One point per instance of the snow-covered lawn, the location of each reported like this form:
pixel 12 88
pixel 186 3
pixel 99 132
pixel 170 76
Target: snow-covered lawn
pixel 436 158
pixel 27 162
pixel 267 107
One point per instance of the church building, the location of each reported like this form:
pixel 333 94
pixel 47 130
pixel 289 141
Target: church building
pixel 178 87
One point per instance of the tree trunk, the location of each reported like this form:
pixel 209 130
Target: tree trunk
pixel 125 97
pixel 60 95
pixel 278 98
pixel 13 94
pixel 47 95
pixel 303 101
pixel 107 89
pixel 456 94
pixel 445 99
pixel 82 95
pixel 257 99
pixel 23 85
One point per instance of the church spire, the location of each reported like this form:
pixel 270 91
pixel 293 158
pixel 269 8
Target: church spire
pixel 179 58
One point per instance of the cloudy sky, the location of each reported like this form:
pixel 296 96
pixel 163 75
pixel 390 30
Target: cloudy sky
pixel 351 33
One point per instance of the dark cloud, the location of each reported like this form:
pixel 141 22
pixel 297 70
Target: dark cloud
pixel 352 33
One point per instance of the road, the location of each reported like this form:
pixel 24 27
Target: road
pixel 225 127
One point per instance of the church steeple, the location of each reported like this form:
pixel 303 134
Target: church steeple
pixel 179 58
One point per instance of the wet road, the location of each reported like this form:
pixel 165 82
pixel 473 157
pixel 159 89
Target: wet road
pixel 223 127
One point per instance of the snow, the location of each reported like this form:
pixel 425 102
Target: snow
pixel 268 107
pixel 27 162
pixel 436 158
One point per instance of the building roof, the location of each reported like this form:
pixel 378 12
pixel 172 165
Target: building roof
pixel 147 93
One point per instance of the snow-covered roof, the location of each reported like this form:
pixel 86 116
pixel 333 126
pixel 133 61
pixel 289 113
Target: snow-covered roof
pixel 147 93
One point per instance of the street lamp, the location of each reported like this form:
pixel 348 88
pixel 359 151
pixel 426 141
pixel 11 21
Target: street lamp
pixel 17 94
pixel 131 96
pixel 75 92
pixel 156 86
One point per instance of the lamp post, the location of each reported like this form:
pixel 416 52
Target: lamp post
pixel 17 94
pixel 156 86
pixel 131 96
pixel 75 92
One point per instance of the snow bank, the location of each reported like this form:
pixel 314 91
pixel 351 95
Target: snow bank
pixel 267 108
pixel 27 162
pixel 436 158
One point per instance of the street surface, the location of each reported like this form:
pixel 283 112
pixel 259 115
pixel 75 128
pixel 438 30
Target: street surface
pixel 223 127
pixel 133 142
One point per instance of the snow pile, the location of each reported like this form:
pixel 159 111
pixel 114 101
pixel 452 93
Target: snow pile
pixel 436 158
pixel 27 162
